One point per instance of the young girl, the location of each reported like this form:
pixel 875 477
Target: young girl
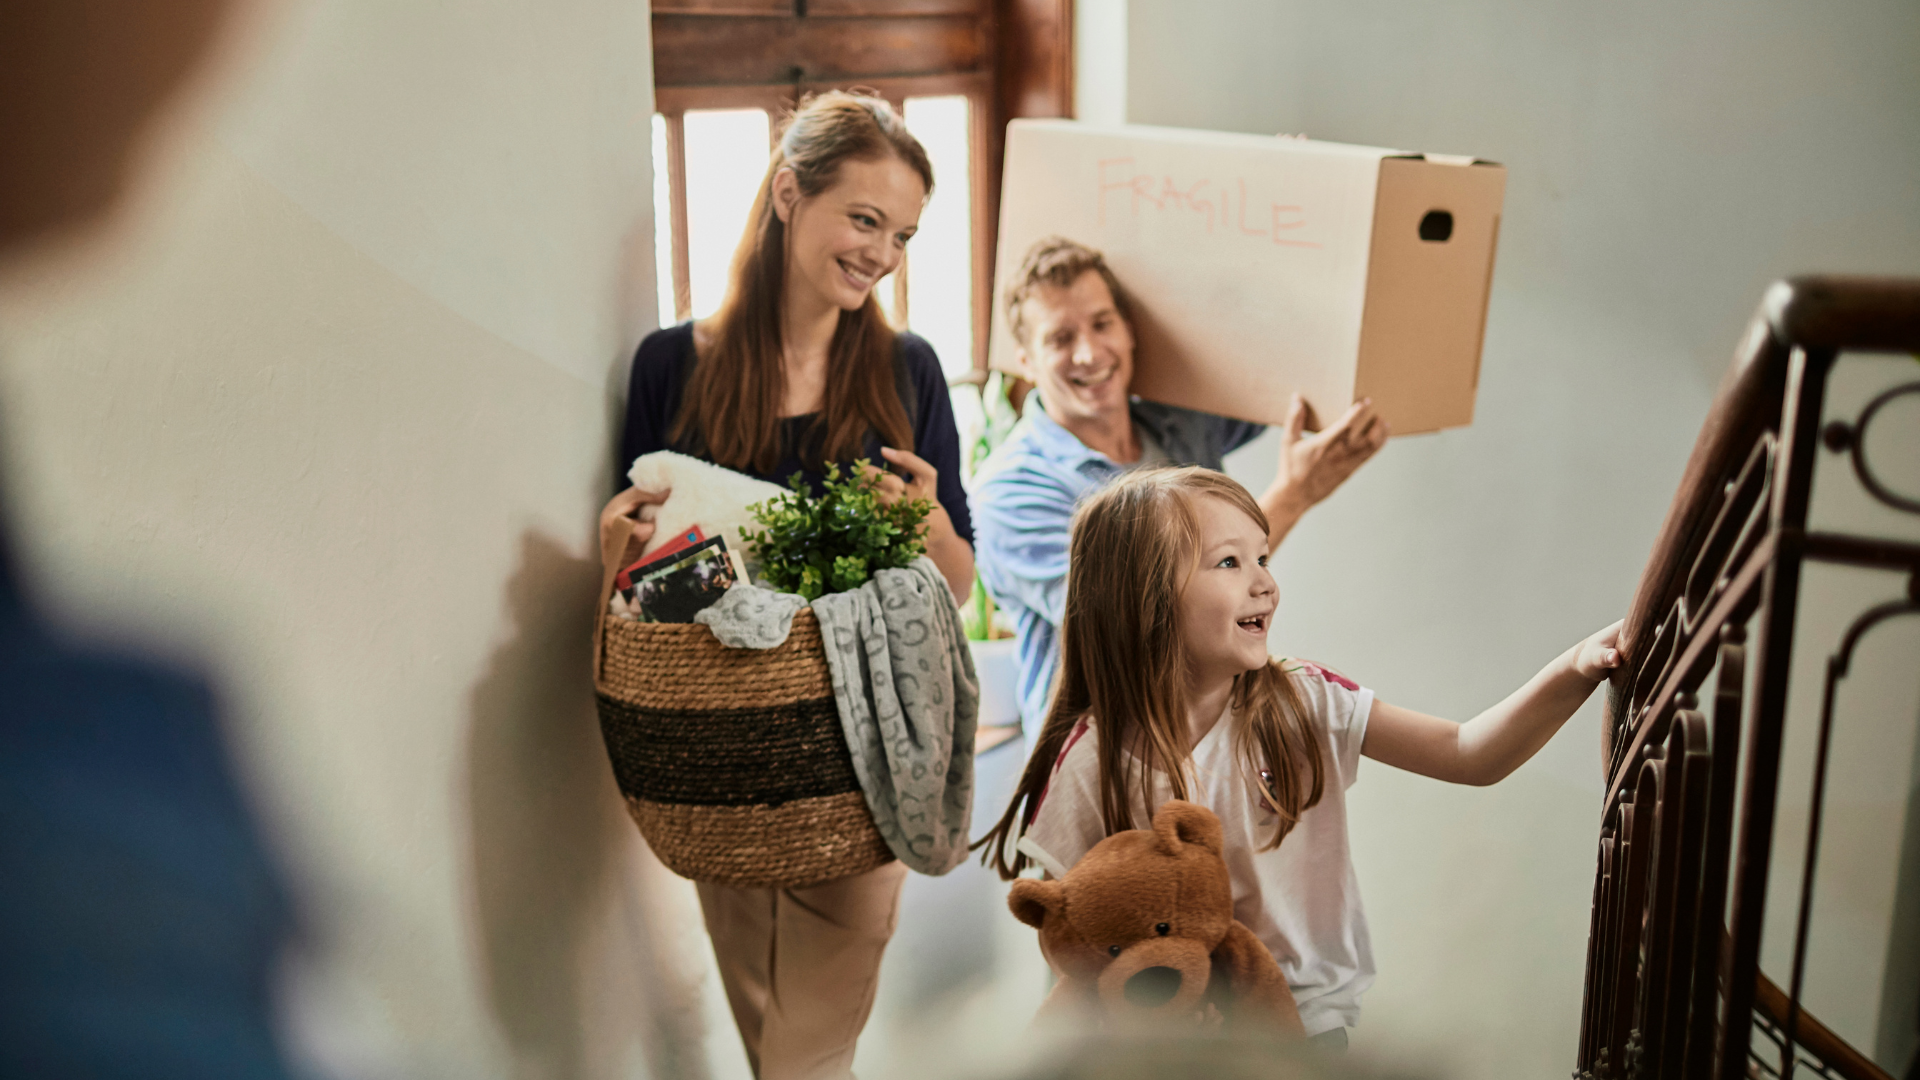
pixel 1166 691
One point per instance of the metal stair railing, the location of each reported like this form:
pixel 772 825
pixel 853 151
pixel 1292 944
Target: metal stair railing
pixel 1673 985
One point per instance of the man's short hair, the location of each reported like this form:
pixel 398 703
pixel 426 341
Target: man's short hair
pixel 1058 262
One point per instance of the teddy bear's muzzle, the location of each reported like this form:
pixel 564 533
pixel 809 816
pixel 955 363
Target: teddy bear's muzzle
pixel 1160 978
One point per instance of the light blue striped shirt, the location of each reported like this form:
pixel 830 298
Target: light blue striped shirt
pixel 1023 501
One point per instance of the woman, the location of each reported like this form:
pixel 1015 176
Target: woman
pixel 797 369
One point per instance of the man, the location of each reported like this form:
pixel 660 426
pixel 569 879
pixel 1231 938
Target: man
pixel 140 916
pixel 1075 332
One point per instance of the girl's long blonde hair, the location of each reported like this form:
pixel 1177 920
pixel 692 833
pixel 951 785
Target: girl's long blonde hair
pixel 1123 665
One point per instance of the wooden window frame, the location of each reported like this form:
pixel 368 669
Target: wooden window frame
pixel 1008 58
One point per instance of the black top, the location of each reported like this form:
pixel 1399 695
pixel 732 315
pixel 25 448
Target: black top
pixel 666 357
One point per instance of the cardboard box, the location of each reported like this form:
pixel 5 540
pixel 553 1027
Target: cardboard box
pixel 1261 265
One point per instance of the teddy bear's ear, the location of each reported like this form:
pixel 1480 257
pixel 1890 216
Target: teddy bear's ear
pixel 1031 900
pixel 1178 823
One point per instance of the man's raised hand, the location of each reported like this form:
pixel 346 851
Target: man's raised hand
pixel 1313 465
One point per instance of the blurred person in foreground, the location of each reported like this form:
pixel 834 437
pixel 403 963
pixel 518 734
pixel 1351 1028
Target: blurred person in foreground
pixel 140 916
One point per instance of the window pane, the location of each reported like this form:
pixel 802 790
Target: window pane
pixel 726 158
pixel 662 223
pixel 940 257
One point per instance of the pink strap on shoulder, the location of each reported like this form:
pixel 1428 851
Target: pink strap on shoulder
pixel 1328 674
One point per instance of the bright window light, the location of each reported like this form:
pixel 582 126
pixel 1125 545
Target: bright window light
pixel 726 158
pixel 940 257
pixel 662 223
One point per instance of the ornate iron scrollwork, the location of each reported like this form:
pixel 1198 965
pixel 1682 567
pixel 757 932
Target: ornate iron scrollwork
pixel 1687 827
pixel 1762 1066
pixel 1838 665
pixel 1851 439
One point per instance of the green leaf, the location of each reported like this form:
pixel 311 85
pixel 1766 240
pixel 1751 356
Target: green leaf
pixel 834 542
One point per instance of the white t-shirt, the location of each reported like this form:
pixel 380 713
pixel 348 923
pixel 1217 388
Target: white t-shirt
pixel 1301 899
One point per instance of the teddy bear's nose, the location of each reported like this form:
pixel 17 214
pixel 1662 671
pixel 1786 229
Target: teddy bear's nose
pixel 1153 986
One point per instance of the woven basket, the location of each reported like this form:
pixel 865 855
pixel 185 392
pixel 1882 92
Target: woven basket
pixel 732 761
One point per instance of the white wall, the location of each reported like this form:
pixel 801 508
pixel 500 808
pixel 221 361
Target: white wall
pixel 1664 164
pixel 330 413
pixel 1100 61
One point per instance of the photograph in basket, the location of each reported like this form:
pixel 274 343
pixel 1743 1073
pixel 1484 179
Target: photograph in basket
pixel 681 587
pixel 657 559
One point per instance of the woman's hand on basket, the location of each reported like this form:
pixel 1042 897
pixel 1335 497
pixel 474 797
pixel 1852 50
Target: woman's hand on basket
pixel 623 536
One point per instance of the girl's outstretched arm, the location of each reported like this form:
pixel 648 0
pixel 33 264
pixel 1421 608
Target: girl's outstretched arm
pixel 1486 748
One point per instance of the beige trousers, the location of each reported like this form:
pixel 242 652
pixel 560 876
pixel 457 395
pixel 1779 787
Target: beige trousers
pixel 800 966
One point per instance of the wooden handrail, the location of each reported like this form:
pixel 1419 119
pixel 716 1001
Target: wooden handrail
pixel 1863 313
pixel 1771 1002
pixel 1729 553
pixel 1747 402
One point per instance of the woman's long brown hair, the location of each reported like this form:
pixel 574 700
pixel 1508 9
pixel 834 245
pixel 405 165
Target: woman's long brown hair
pixel 1123 665
pixel 731 407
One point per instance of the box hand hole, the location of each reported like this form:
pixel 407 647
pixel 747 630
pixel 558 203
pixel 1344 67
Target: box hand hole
pixel 1436 227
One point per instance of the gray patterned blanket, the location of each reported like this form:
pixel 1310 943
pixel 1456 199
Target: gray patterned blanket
pixel 908 696
pixel 911 730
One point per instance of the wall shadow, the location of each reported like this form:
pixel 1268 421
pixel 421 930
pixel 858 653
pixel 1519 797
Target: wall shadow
pixel 551 878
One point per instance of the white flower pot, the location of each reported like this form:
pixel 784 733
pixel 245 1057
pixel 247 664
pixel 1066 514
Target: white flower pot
pixel 999 675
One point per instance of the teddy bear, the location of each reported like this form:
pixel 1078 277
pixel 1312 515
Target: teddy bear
pixel 1142 929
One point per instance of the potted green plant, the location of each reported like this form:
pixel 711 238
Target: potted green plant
pixel 836 542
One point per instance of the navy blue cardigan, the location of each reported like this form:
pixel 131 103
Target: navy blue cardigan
pixel 659 374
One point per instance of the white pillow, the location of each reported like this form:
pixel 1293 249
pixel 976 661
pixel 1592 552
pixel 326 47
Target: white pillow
pixel 699 493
